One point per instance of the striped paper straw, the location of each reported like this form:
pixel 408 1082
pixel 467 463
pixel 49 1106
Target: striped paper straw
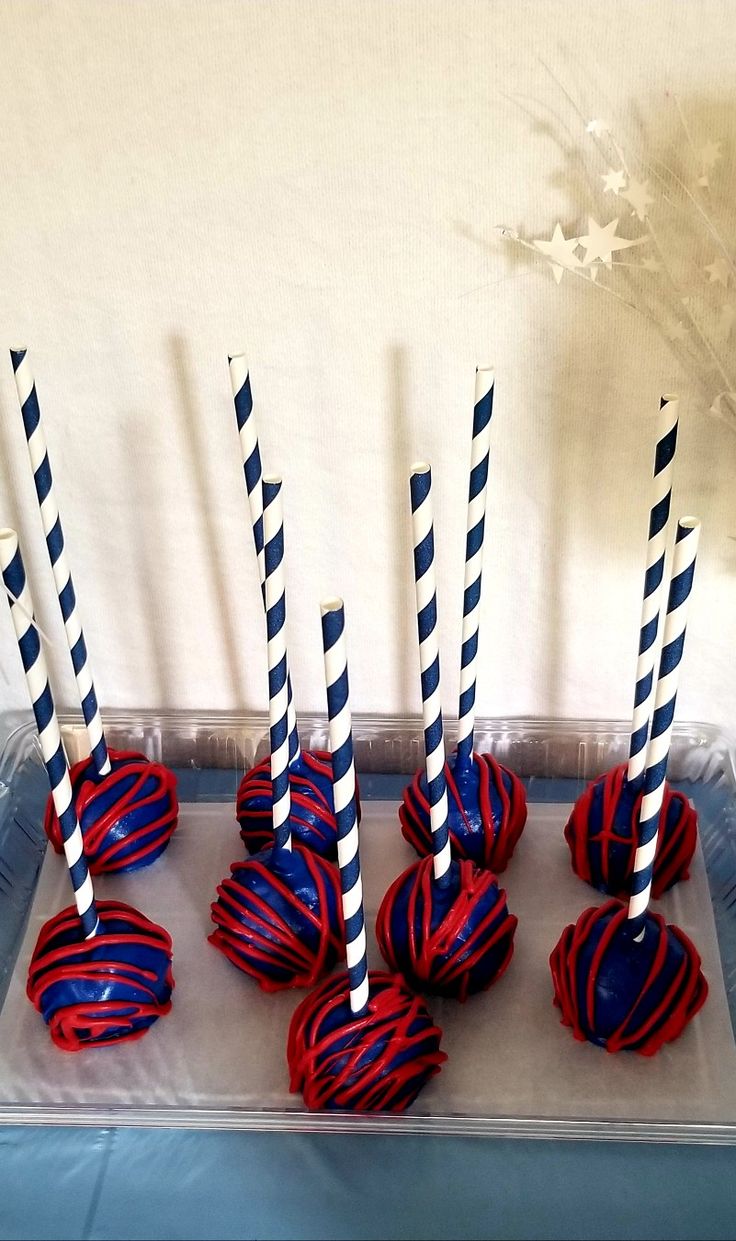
pixel 52 748
pixel 673 642
pixel 664 461
pixel 343 784
pixel 484 379
pixel 275 591
pixel 51 521
pixel 420 482
pixel 250 452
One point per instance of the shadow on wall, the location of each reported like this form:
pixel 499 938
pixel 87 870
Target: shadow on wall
pixel 195 450
pixel 146 521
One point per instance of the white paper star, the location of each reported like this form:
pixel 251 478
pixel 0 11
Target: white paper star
pixel 710 155
pixel 614 181
pixel 638 195
pixel 597 127
pixel 652 265
pixel 560 251
pixel 601 242
pixel 718 271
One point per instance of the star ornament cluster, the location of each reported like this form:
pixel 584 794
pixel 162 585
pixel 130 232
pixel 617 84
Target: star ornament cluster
pixel 599 244
pixel 683 280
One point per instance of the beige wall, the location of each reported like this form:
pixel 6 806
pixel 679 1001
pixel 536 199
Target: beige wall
pixel 317 183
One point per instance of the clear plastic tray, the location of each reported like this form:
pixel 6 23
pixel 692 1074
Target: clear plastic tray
pixel 218 1060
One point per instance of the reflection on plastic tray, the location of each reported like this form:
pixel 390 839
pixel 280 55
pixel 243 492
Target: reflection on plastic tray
pixel 555 758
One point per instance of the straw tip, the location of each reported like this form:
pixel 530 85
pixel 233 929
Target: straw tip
pixel 333 604
pixel 7 533
pixel 485 368
pixel 419 467
pixel 689 523
pixel 273 480
pixel 667 398
pixel 237 357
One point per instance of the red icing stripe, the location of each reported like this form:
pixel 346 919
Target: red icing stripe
pixel 311 810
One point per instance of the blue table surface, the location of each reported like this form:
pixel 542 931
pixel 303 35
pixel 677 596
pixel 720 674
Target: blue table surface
pixel 67 1182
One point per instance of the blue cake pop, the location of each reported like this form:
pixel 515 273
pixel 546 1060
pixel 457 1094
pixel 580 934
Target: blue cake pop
pixel 109 988
pixel 278 918
pixel 377 1060
pixel 451 940
pixel 622 994
pixel 127 815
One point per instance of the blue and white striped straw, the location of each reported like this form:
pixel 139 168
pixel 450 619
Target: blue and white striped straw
pixel 252 470
pixel 477 488
pixel 275 591
pixel 51 521
pixel 664 461
pixel 52 748
pixel 420 482
pixel 673 643
pixel 343 784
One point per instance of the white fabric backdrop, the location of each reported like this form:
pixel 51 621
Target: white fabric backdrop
pixel 317 184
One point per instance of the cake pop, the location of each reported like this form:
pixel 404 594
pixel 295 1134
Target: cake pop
pixel 623 992
pixel 601 831
pixel 277 916
pixel 602 834
pixel 622 977
pixel 126 804
pixel 100 973
pixel 312 815
pixel 310 772
pixel 127 814
pixel 486 811
pixel 453 939
pixel 110 988
pixel 443 924
pixel 486 801
pixel 361 1041
pixel 374 1060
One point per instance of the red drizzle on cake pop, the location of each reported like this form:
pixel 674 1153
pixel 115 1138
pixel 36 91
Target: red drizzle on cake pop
pixel 487 812
pixel 312 807
pixel 107 989
pixel 454 940
pixel 622 994
pixel 127 817
pixel 278 918
pixel 602 835
pixel 377 1061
